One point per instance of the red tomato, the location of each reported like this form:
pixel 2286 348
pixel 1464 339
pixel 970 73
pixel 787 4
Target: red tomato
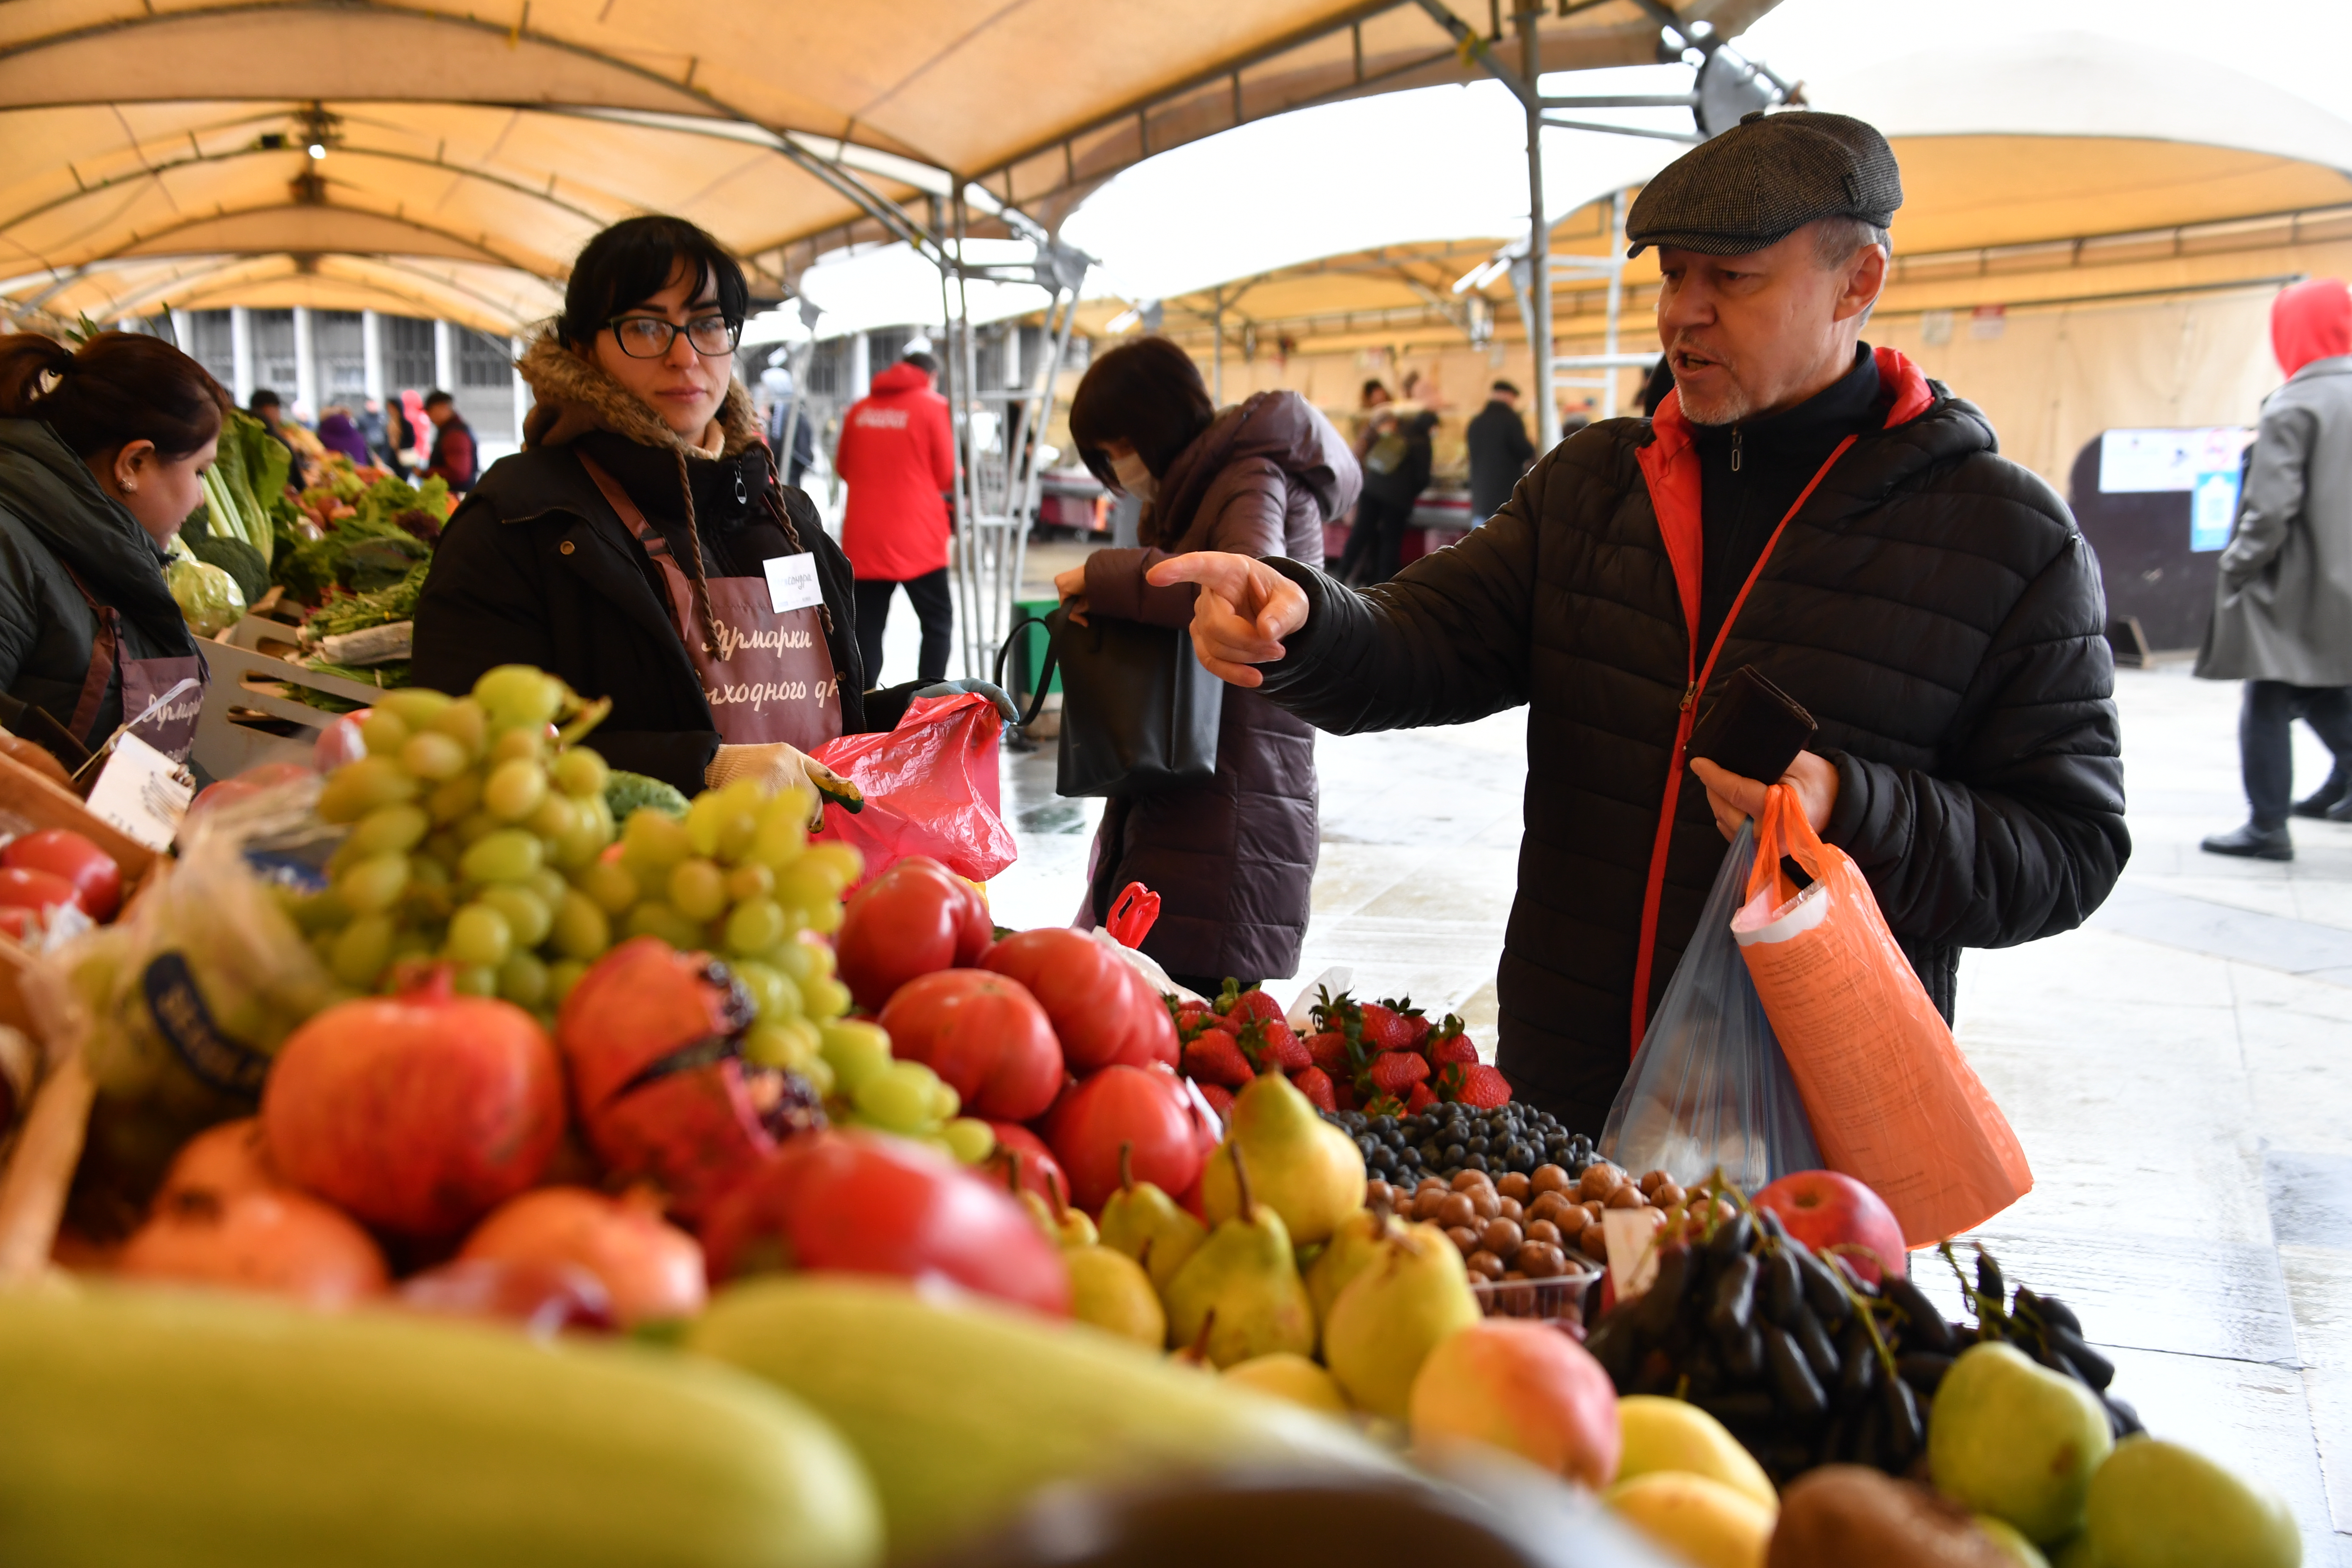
pixel 984 1035
pixel 1140 1107
pixel 64 853
pixel 863 1202
pixel 1039 1169
pixel 1082 987
pixel 1151 1041
pixel 914 919
pixel 23 888
pixel 17 922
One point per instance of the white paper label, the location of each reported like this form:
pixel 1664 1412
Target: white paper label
pixel 1632 1235
pixel 791 583
pixel 142 793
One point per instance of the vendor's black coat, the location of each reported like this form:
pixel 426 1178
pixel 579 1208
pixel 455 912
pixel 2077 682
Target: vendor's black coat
pixel 536 568
pixel 1932 605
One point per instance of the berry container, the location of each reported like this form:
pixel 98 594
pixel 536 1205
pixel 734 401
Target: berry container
pixel 1560 1300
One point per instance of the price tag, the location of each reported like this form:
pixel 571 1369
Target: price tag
pixel 142 793
pixel 1632 1235
pixel 791 583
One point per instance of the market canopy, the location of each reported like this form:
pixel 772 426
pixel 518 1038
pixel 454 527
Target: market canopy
pixel 217 133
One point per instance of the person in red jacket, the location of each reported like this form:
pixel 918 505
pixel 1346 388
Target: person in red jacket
pixel 899 459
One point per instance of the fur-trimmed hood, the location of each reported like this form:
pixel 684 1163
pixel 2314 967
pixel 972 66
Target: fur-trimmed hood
pixel 575 396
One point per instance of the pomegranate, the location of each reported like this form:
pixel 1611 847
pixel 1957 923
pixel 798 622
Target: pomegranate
pixel 651 1270
pixel 280 1241
pixel 418 1113
pixel 544 1296
pixel 224 1160
pixel 867 1203
pixel 652 1037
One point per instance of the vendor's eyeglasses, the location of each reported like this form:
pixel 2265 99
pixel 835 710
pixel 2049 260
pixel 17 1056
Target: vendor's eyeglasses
pixel 650 337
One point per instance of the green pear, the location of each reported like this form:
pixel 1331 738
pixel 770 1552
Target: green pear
pixel 1239 1294
pixel 2158 1505
pixel 1111 1290
pixel 1301 1166
pixel 2017 1440
pixel 1353 1247
pixel 1392 1314
pixel 1142 1221
pixel 2011 1540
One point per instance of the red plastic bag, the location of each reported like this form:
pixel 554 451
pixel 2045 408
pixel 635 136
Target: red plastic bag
pixel 930 788
pixel 1893 1102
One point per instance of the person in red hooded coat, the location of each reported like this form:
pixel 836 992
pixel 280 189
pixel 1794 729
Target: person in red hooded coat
pixel 899 459
pixel 2283 607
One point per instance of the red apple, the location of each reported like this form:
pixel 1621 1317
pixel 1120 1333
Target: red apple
pixel 1144 1108
pixel 1823 1209
pixel 1526 1388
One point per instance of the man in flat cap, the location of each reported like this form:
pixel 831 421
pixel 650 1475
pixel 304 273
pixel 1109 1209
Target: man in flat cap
pixel 1801 503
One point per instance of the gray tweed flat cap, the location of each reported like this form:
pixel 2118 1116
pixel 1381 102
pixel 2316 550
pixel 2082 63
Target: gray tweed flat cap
pixel 1765 178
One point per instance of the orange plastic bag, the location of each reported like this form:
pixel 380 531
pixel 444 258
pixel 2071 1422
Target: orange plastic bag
pixel 1893 1102
pixel 930 788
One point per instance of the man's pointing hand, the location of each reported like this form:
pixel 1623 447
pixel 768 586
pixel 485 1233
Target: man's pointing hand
pixel 1244 610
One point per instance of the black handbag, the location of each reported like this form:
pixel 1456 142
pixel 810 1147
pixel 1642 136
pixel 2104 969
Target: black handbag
pixel 1139 713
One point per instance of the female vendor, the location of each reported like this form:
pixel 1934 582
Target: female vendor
pixel 101 450
pixel 641 547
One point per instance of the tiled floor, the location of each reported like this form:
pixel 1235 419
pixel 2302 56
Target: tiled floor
pixel 2176 1070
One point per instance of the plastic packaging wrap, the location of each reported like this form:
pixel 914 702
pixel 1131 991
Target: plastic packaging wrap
pixel 930 788
pixel 1709 1087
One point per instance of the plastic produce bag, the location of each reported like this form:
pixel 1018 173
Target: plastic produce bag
pixel 930 788
pixel 1891 1101
pixel 1709 1087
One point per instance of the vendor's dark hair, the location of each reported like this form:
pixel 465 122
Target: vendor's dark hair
pixel 1148 394
pixel 117 388
pixel 634 261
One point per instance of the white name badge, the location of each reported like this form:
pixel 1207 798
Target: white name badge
pixel 143 792
pixel 791 583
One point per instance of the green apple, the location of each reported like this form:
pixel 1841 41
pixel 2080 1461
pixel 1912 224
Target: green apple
pixel 2016 1440
pixel 2158 1505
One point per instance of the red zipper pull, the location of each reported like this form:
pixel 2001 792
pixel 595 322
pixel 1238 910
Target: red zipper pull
pixel 1690 695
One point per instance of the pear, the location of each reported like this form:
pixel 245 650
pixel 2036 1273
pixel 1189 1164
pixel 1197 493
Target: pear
pixel 1142 1221
pixel 1111 1290
pixel 1241 1289
pixel 2017 1441
pixel 1070 1226
pixel 1303 1167
pixel 1352 1247
pixel 1392 1314
pixel 1287 1376
pixel 2156 1504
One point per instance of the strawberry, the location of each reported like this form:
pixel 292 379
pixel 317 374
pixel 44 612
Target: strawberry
pixel 1316 1085
pixel 1343 1091
pixel 1271 1046
pixel 1337 1015
pixel 1328 1050
pixel 1469 1083
pixel 1416 1022
pixel 1190 1017
pixel 1242 1003
pixel 1383 1105
pixel 1421 1100
pixel 1386 1029
pixel 1220 1099
pixel 1447 1043
pixel 1392 1073
pixel 1215 1056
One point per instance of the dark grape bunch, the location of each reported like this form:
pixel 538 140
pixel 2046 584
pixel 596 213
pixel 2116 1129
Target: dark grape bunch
pixel 1803 1359
pixel 1404 1151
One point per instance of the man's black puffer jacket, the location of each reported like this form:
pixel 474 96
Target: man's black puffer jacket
pixel 1932 603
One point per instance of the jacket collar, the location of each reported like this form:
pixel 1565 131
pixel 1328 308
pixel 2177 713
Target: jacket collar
pixel 53 494
pixel 573 397
pixel 2334 364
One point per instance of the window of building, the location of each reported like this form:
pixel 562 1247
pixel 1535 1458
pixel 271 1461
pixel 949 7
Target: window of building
pixel 273 351
pixel 482 360
pixel 407 345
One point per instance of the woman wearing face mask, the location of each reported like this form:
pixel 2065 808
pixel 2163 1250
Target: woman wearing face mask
pixel 101 453
pixel 1233 858
pixel 640 545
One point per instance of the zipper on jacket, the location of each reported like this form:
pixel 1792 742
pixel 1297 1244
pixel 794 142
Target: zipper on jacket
pixel 1735 448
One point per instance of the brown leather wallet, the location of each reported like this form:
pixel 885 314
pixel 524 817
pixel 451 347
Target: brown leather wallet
pixel 1752 728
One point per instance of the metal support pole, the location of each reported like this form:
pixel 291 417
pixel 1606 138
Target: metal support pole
pixel 445 359
pixel 1538 237
pixel 1616 300
pixel 1217 349
pixel 372 353
pixel 240 347
pixel 306 369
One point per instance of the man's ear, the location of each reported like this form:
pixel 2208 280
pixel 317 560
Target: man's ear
pixel 1866 280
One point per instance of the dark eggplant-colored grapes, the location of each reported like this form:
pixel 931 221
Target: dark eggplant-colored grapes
pixel 1807 1362
pixel 1404 1151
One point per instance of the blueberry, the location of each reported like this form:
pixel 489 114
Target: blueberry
pixel 1475 1162
pixel 1455 1153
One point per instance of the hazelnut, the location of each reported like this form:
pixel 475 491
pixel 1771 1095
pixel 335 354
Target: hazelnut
pixel 1515 1186
pixel 1509 1207
pixel 1628 1196
pixel 1427 1202
pixel 1541 1260
pixel 1462 1236
pixel 1595 1245
pixel 1650 1180
pixel 1484 1200
pixel 1457 1210
pixel 1599 1182
pixel 1668 1195
pixel 1511 1274
pixel 1501 1237
pixel 1464 1179
pixel 1571 1222
pixel 1484 1264
pixel 1592 1208
pixel 1544 1231
pixel 1551 1179
pixel 1431 1185
pixel 1379 1195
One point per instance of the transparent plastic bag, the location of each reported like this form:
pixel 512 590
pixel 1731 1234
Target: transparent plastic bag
pixel 1709 1087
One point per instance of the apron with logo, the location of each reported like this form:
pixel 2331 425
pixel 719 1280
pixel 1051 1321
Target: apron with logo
pixel 777 683
pixel 171 729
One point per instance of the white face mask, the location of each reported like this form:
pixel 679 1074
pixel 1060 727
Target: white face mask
pixel 1133 477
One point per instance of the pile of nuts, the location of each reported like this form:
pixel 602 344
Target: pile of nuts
pixel 1518 1226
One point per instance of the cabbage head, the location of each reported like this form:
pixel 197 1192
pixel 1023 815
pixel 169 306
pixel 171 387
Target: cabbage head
pixel 208 597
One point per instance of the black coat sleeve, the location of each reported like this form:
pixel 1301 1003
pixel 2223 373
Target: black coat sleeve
pixel 1446 641
pixel 2019 832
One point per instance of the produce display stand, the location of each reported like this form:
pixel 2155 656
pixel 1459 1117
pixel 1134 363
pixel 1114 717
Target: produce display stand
pixel 229 739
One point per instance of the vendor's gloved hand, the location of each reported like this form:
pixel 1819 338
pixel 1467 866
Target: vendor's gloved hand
pixel 775 767
pixel 985 688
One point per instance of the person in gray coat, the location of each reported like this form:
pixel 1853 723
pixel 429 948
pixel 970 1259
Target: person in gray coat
pixel 2283 609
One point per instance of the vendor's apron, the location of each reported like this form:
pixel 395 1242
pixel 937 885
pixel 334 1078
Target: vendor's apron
pixel 171 729
pixel 779 683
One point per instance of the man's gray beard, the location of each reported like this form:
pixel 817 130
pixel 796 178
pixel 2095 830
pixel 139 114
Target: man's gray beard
pixel 1727 409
